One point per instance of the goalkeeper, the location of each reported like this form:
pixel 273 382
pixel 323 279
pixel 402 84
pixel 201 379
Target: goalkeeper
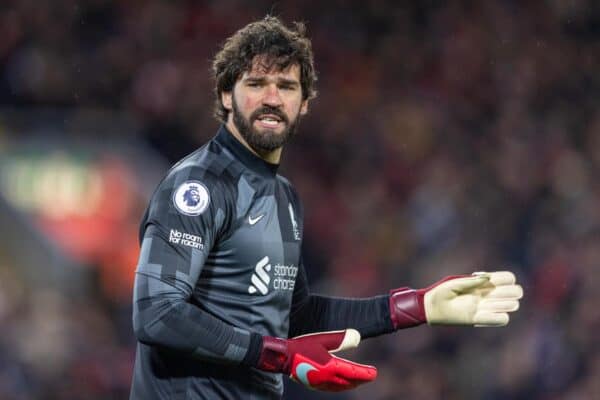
pixel 221 303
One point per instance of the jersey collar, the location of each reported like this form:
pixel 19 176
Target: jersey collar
pixel 249 159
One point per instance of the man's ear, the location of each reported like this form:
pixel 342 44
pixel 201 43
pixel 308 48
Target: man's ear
pixel 226 99
pixel 304 107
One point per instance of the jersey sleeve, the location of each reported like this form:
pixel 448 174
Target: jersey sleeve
pixel 314 313
pixel 186 216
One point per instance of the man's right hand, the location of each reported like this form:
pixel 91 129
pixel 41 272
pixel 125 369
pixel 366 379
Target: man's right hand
pixel 308 360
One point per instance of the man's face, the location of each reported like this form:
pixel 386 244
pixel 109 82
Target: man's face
pixel 265 106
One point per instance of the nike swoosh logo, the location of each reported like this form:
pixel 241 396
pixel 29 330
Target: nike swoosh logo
pixel 302 371
pixel 253 221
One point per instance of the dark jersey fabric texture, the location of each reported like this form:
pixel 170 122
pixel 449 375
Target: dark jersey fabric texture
pixel 220 266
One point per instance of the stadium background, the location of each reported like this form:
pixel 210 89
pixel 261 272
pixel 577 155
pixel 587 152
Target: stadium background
pixel 447 137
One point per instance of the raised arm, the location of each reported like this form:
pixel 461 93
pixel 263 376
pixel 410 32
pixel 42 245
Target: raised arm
pixel 480 299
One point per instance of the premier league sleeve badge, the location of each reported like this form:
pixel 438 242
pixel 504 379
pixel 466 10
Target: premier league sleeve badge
pixel 191 198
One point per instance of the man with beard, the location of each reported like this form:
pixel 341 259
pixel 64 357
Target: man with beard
pixel 220 284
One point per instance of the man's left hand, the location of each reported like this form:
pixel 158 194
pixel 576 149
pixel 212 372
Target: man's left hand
pixel 480 299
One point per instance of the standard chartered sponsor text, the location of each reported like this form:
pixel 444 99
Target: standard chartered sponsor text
pixel 284 276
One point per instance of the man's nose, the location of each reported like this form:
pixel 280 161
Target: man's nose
pixel 272 96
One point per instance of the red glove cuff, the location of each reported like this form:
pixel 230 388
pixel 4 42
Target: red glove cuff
pixel 274 355
pixel 406 307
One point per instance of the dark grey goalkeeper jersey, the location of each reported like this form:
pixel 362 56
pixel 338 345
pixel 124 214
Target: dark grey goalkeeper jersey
pixel 219 268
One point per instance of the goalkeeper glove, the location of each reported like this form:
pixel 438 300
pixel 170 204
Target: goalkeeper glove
pixel 307 360
pixel 481 299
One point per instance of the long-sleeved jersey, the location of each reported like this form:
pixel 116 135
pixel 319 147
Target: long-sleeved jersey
pixel 220 267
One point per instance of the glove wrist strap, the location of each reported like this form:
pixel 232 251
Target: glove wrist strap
pixel 406 307
pixel 274 355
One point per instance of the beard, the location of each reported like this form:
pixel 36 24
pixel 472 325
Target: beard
pixel 267 140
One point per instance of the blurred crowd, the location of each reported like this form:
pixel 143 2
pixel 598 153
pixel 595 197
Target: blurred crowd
pixel 447 137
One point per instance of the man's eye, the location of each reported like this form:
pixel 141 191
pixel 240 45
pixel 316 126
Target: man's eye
pixel 253 84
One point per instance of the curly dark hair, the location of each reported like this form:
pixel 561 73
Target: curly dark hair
pixel 281 48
